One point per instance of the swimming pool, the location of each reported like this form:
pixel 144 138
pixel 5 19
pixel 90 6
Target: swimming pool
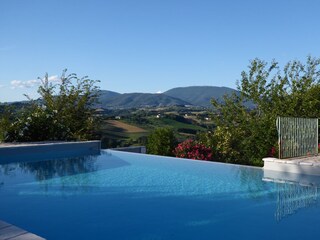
pixel 117 195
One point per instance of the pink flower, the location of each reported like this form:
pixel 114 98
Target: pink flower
pixel 193 150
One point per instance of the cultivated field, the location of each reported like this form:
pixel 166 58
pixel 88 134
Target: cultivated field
pixel 125 127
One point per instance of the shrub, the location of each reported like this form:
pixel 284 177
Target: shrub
pixel 193 150
pixel 161 142
pixel 37 124
pixel 246 120
pixel 64 112
pixel 5 116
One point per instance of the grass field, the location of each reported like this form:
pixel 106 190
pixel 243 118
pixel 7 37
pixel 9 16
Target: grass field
pixel 166 122
pixel 125 127
pixel 118 134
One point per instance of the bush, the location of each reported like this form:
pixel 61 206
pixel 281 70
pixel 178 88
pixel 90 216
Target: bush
pixel 37 124
pixel 246 132
pixel 5 116
pixel 193 150
pixel 161 142
pixel 64 112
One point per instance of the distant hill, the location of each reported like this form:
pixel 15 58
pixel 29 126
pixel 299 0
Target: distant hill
pixel 105 95
pixel 199 95
pixel 196 96
pixel 134 100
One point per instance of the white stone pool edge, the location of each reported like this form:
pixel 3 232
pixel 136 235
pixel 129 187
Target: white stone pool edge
pixel 34 147
pixel 302 165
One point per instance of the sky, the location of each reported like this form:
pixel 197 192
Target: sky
pixel 149 45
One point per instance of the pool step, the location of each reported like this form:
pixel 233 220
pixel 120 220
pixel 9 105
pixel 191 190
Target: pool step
pixel 9 231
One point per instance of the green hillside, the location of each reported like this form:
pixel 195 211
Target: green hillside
pixel 199 95
pixel 195 95
pixel 136 100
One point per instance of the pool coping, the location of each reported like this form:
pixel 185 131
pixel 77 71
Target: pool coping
pixel 35 150
pixel 309 165
pixel 43 143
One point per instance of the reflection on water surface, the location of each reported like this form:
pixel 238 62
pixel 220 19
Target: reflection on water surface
pixel 294 192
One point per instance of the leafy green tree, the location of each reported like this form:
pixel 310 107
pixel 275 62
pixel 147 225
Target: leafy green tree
pixel 246 121
pixel 161 141
pixel 5 120
pixel 64 112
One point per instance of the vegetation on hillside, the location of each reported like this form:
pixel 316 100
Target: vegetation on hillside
pixel 200 95
pixel 195 95
pixel 126 127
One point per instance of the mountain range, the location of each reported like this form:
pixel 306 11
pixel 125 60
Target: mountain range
pixel 181 96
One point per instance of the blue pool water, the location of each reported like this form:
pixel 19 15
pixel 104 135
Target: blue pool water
pixel 118 195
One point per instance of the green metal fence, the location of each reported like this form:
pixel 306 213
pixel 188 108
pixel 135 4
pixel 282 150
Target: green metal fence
pixel 297 136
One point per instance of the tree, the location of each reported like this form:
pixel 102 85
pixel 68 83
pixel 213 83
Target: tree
pixel 5 117
pixel 161 142
pixel 63 112
pixel 251 131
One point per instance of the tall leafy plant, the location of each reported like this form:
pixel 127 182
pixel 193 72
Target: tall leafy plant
pixel 161 142
pixel 63 112
pixel 265 92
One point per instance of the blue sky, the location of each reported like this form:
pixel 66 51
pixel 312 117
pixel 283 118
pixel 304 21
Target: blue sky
pixel 149 45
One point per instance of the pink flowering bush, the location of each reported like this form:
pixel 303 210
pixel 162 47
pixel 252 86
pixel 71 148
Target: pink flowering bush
pixel 193 150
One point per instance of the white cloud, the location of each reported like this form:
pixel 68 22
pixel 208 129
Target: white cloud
pixel 54 78
pixel 24 84
pixel 159 92
pixel 31 83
